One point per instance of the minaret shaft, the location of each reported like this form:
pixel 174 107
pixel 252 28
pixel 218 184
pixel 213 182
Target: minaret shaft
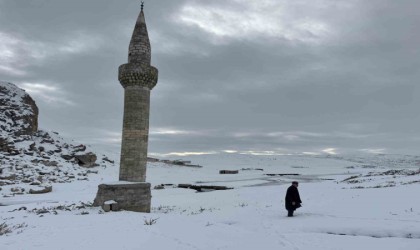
pixel 135 134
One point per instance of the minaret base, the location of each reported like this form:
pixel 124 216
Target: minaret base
pixel 123 195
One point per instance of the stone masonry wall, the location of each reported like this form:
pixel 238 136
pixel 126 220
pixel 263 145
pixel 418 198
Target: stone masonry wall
pixel 129 196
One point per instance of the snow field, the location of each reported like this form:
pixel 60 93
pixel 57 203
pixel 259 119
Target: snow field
pixel 251 216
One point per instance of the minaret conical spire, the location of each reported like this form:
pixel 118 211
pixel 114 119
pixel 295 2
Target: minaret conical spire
pixel 139 50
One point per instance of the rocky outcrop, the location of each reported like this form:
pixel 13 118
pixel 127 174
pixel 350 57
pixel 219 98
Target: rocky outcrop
pixel 18 117
pixel 18 111
pixel 31 157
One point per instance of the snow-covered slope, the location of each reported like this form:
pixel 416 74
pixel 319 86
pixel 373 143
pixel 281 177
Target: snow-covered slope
pixel 32 160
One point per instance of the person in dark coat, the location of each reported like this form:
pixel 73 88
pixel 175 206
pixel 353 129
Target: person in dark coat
pixel 292 199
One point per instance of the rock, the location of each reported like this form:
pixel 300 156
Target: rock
pixel 17 190
pixel 50 141
pixel 41 190
pixel 44 172
pixel 202 188
pixel 246 169
pixel 3 143
pixel 108 160
pixel 7 177
pixel 13 152
pixel 49 163
pixel 150 159
pixel 67 157
pixel 158 187
pixel 282 174
pixel 86 160
pixel 184 185
pixel 42 211
pixel 179 163
pixel 35 183
pixel 228 171
pixel 52 178
pixel 79 148
pixel 26 180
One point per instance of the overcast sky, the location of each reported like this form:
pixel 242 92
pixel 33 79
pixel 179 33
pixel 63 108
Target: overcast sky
pixel 284 76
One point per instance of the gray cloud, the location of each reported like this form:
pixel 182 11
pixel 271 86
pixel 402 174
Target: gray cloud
pixel 294 76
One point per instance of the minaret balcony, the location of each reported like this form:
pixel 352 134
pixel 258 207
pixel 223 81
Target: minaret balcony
pixel 138 74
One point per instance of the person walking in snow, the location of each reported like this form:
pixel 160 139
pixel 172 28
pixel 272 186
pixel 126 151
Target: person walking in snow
pixel 292 199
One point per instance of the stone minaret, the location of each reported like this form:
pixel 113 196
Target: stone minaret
pixel 137 77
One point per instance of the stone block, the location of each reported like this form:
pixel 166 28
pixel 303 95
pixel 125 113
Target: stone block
pixel 106 207
pixel 110 206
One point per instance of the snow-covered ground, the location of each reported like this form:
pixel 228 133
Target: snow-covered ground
pixel 351 202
